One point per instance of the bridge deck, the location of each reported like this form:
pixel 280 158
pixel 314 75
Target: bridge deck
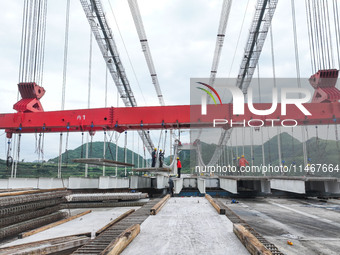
pixel 186 226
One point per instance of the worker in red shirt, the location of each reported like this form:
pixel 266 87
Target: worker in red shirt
pixel 242 162
pixel 179 167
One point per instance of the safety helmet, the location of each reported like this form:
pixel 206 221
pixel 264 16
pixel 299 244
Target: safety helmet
pixel 177 157
pixel 160 149
pixel 155 149
pixel 242 156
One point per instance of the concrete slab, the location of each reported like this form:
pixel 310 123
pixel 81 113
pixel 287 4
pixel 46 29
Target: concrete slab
pixel 190 183
pixel 19 183
pixel 83 183
pixel 313 226
pixel 162 181
pixel 91 222
pixel 201 185
pixel 186 226
pixel 178 185
pixel 109 182
pixel 139 182
pixel 295 186
pixel 52 183
pixel 212 182
pixel 332 187
pixel 4 184
pixel 229 185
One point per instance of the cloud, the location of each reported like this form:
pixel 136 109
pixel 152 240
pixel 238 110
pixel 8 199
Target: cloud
pixel 181 35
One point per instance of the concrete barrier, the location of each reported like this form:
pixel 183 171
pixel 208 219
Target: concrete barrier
pixel 201 185
pixel 229 185
pixel 295 186
pixel 212 182
pixel 162 181
pixel 19 183
pixel 140 182
pixel 110 182
pixel 178 185
pixel 52 183
pixel 190 182
pixel 4 184
pixel 83 183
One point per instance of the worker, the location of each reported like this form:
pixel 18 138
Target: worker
pixel 179 167
pixel 171 187
pixel 161 158
pixel 242 162
pixel 154 157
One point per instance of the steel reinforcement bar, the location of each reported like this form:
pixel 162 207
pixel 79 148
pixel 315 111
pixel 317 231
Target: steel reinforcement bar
pixel 30 224
pixel 235 219
pixel 106 196
pixel 99 244
pixel 100 204
pixel 21 199
pixel 18 209
pixel 27 216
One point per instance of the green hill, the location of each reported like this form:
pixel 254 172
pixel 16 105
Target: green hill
pixel 319 151
pixel 50 168
pixel 96 150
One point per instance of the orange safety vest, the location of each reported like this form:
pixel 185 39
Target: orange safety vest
pixel 179 164
pixel 243 162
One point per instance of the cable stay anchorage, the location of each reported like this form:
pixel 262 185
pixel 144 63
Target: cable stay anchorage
pixel 137 18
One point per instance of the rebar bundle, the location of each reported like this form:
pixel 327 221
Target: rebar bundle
pixel 29 209
pixel 105 196
pixel 13 200
pixel 17 209
pixel 30 224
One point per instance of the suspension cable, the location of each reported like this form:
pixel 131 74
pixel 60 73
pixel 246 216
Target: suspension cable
pixel 297 66
pixel 260 101
pixel 127 53
pixel 104 150
pixel 18 157
pixel 89 99
pixel 337 29
pixel 60 159
pixel 9 159
pixel 66 148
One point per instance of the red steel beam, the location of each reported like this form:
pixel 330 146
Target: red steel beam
pixel 157 117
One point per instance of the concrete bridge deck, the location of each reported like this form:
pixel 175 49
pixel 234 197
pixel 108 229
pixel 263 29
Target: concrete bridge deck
pixel 261 185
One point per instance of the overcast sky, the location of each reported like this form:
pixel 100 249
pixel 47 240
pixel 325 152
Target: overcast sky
pixel 181 35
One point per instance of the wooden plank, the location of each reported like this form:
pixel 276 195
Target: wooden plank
pixel 252 244
pixel 122 241
pixel 214 204
pixel 157 207
pixel 100 162
pixel 26 192
pixel 37 230
pixel 124 215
